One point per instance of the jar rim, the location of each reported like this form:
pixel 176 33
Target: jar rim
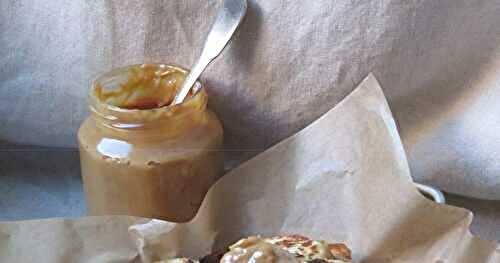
pixel 197 86
pixel 114 113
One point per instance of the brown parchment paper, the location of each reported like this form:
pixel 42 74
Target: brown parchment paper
pixel 344 178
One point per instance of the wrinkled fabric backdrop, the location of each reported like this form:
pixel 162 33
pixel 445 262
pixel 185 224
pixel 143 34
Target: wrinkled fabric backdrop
pixel 437 61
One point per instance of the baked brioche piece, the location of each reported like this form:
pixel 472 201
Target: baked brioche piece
pixel 290 248
pixel 279 249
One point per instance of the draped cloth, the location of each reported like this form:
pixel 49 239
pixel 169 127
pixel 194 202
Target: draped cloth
pixel 291 61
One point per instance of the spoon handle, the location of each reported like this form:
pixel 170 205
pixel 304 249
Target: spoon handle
pixel 228 19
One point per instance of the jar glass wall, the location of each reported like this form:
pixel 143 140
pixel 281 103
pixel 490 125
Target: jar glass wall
pixel 142 157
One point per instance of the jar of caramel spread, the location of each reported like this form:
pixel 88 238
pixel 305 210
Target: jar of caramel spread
pixel 142 157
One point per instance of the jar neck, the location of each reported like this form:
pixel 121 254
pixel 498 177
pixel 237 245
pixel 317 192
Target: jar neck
pixel 168 121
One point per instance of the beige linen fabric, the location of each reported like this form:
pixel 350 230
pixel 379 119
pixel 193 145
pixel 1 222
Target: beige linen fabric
pixel 438 62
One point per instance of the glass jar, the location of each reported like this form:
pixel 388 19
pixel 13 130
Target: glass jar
pixel 140 156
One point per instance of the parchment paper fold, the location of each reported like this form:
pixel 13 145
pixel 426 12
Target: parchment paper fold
pixel 344 178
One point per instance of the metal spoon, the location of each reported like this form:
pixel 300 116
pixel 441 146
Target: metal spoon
pixel 228 19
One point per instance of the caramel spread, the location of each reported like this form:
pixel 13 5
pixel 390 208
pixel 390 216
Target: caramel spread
pixel 308 250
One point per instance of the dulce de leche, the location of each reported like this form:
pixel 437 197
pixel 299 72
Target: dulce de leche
pixel 142 157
